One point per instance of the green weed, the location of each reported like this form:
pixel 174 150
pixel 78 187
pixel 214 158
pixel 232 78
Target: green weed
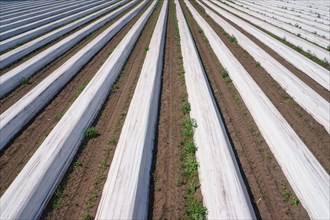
pixel 189 147
pixel 76 164
pixel 196 210
pixel 190 165
pixel 286 196
pixel 24 80
pixel 113 141
pixel 188 127
pixel 233 39
pixel 91 132
pixel 294 201
pixel 224 73
pixel 58 116
pixel 186 108
pixel 81 88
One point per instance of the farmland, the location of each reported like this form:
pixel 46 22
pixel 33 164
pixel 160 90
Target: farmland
pixel 164 109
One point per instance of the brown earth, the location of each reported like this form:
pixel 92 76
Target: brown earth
pixel 23 146
pixel 20 91
pixel 81 188
pixel 307 128
pixel 265 181
pixel 166 198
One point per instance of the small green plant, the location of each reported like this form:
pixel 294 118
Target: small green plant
pixel 275 167
pixel 233 39
pixel 328 48
pixel 114 87
pixel 298 35
pixel 190 165
pixel 294 201
pixel 24 80
pixel 113 141
pixel 58 116
pixel 81 88
pixel 286 196
pixel 77 163
pixel 186 108
pixel 94 196
pixel 188 127
pixel 228 80
pixel 57 196
pixel 299 114
pixel 146 49
pixel 224 73
pixel 91 132
pixel 192 187
pixel 189 147
pixel 196 210
pixel 104 163
pixel 86 215
pixel 268 155
pixel 179 181
pixel 258 64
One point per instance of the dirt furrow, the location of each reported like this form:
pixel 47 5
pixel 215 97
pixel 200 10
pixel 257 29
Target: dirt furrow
pixel 166 200
pixel 79 193
pixel 266 183
pixel 23 146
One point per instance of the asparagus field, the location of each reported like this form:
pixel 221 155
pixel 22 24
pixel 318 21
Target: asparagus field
pixel 164 109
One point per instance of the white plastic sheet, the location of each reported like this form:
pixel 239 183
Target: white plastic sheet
pixel 21 8
pixel 319 52
pixel 307 177
pixel 307 98
pixel 15 21
pixel 16 28
pixel 223 189
pixel 305 24
pixel 125 193
pixel 11 79
pixel 13 55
